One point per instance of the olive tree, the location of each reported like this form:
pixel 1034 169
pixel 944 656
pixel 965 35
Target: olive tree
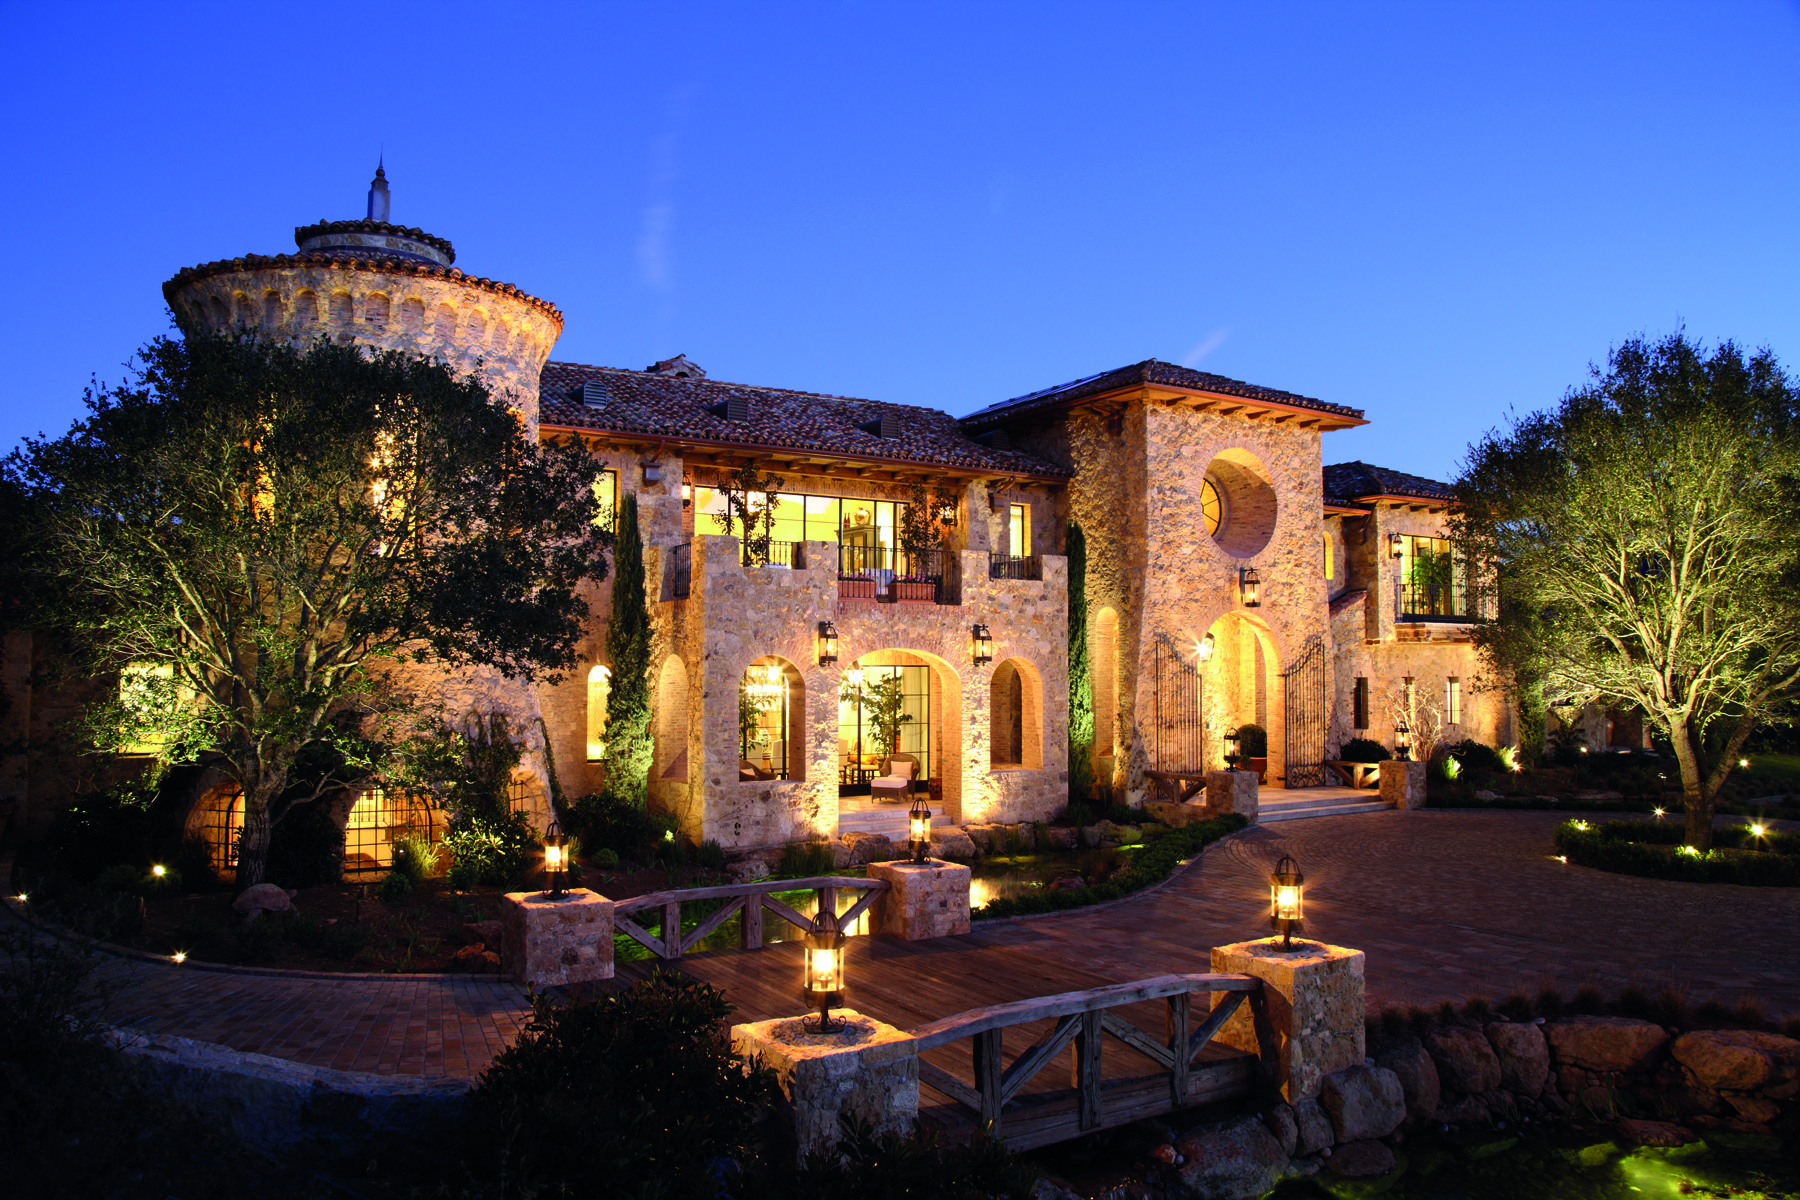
pixel 1645 550
pixel 254 534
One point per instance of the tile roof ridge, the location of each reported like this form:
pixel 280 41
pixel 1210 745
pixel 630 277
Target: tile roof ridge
pixel 758 387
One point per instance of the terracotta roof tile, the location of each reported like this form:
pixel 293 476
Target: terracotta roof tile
pixel 372 260
pixel 1353 481
pixel 1150 371
pixel 672 406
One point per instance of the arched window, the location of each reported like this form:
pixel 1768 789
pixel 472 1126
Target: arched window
pixel 1016 716
pixel 599 687
pixel 1212 508
pixel 771 721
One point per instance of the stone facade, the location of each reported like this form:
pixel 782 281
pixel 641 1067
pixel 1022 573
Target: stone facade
pixel 867 1072
pixel 927 900
pixel 1307 1021
pixel 547 942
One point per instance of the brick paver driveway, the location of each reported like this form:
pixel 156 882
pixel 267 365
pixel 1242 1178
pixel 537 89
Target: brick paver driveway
pixel 1447 904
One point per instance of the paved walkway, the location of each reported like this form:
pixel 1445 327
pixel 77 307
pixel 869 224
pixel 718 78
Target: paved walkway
pixel 1447 904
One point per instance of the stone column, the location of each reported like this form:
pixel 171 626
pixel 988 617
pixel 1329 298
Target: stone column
pixel 1403 783
pixel 1306 1021
pixel 869 1071
pixel 553 943
pixel 1232 791
pixel 926 900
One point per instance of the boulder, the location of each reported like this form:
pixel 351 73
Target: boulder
pixel 1524 1056
pixel 1361 1160
pixel 1313 1128
pixel 1599 795
pixel 869 847
pixel 1237 1161
pixel 1058 837
pixel 951 842
pixel 1654 1133
pixel 982 836
pixel 1738 1059
pixel 1484 794
pixel 1468 1110
pixel 1606 1043
pixel 840 854
pixel 748 869
pixel 1027 834
pixel 1068 881
pixel 1754 1109
pixel 261 898
pixel 1465 1062
pixel 1286 1129
pixel 1095 835
pixel 483 933
pixel 1418 1080
pixel 1363 1102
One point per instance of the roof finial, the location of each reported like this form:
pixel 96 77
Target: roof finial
pixel 378 192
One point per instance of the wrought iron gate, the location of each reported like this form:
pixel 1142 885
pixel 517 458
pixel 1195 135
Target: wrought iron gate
pixel 1178 703
pixel 1303 691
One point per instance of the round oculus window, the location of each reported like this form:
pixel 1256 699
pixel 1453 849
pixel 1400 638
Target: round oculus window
pixel 1212 507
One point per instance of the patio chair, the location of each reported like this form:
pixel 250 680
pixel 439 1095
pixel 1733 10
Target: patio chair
pixel 896 783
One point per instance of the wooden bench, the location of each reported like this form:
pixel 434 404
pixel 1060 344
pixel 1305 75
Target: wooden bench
pixel 1355 774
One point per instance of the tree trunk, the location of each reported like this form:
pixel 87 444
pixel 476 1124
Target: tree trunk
pixel 253 841
pixel 1694 798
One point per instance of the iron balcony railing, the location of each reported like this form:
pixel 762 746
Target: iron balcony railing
pixel 889 564
pixel 781 554
pixel 1015 566
pixel 681 570
pixel 1437 602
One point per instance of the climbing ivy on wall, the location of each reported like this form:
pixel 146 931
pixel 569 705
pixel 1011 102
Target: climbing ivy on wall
pixel 628 744
pixel 1081 686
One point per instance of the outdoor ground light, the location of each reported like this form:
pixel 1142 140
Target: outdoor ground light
pixel 1250 585
pixel 159 870
pixel 918 829
pixel 1402 740
pixel 1743 762
pixel 1287 901
pixel 984 645
pixel 824 973
pixel 1759 830
pixel 556 855
pixel 827 643
pixel 179 957
pixel 1659 813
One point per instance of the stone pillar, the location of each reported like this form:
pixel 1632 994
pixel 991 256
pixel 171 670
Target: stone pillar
pixel 869 1071
pixel 927 900
pixel 1306 1021
pixel 1232 791
pixel 1403 783
pixel 552 943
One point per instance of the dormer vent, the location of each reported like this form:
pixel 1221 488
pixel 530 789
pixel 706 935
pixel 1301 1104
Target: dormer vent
pixel 732 408
pixel 995 439
pixel 884 426
pixel 593 394
pixel 681 367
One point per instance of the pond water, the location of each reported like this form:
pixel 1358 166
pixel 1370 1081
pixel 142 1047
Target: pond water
pixel 1028 874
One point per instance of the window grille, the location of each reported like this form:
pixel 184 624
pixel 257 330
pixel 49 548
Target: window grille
pixel 377 819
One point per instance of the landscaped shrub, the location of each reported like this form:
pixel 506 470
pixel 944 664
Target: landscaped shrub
pixel 1567 746
pixel 637 1094
pixel 606 860
pixel 1123 814
pixel 496 850
pixel 710 856
pixel 1152 864
pixel 1364 750
pixel 1074 813
pixel 803 860
pixel 1647 848
pixel 415 857
pixel 1477 756
pixel 396 887
pixel 306 848
pixel 901 1165
pixel 615 823
pixel 100 829
pixel 1253 741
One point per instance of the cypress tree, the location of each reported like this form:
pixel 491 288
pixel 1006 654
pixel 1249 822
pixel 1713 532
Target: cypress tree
pixel 628 745
pixel 1081 685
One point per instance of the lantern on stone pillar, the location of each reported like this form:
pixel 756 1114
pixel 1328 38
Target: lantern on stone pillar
pixel 827 643
pixel 1287 901
pixel 556 854
pixel 918 828
pixel 1233 750
pixel 1250 586
pixel 1402 740
pixel 824 986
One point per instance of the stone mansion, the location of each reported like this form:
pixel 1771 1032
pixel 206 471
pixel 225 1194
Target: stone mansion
pixel 1232 578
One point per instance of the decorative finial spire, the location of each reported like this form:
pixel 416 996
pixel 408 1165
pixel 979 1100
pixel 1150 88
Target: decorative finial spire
pixel 378 192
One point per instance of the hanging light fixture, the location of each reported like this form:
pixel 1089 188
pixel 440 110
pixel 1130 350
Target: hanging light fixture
pixel 556 853
pixel 827 643
pixel 918 828
pixel 983 644
pixel 1250 587
pixel 824 986
pixel 1287 901
pixel 1402 740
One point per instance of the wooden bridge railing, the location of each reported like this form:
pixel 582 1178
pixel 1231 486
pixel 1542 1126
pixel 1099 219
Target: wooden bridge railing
pixel 1040 1118
pixel 749 899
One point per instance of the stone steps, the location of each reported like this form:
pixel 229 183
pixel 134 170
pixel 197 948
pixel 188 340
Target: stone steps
pixel 1338 805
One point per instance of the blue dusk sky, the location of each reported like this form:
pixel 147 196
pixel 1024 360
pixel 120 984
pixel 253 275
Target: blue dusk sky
pixel 1434 212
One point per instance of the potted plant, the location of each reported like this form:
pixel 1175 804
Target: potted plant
pixel 1253 746
pixel 928 513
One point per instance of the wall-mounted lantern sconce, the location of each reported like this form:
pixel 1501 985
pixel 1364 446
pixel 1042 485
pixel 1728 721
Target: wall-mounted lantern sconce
pixel 983 645
pixel 1396 545
pixel 652 472
pixel 1287 901
pixel 1402 740
pixel 918 828
pixel 1250 586
pixel 687 494
pixel 827 643
pixel 1206 648
pixel 556 858
pixel 824 986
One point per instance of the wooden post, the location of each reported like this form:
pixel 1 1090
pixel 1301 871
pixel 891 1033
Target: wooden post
pixel 827 904
pixel 987 1075
pixel 1178 1046
pixel 1087 1068
pixel 750 930
pixel 671 929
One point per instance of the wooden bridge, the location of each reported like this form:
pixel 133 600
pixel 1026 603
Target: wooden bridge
pixel 991 1020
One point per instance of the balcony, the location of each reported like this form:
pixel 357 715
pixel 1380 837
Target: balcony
pixel 1437 602
pixel 891 575
pixel 1015 566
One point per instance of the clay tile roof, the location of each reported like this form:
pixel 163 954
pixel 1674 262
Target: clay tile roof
pixel 1351 481
pixel 302 232
pixel 1150 371
pixel 678 407
pixel 370 260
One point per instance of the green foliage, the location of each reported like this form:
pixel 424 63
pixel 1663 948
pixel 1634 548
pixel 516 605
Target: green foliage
pixel 883 700
pixel 1075 813
pixel 804 860
pixel 1567 746
pixel 918 1164
pixel 637 1094
pixel 710 856
pixel 1644 551
pixel 123 879
pixel 397 887
pixel 415 857
pixel 193 861
pixel 1253 741
pixel 259 942
pixel 1123 814
pixel 750 495
pixel 1364 750
pixel 605 859
pixel 629 747
pixel 259 527
pixel 307 848
pixel 1653 849
pixel 613 823
pixel 1475 756
pixel 1081 683
pixel 102 828
pixel 494 850
pixel 925 522
pixel 1153 864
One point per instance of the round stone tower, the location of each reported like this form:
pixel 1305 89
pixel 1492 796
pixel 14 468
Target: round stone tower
pixel 377 284
pixel 383 285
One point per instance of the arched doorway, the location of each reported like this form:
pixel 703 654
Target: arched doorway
pixel 1240 684
pixel 927 745
pixel 772 720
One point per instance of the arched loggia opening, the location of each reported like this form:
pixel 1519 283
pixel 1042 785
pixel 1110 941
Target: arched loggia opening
pixel 1016 709
pixel 771 721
